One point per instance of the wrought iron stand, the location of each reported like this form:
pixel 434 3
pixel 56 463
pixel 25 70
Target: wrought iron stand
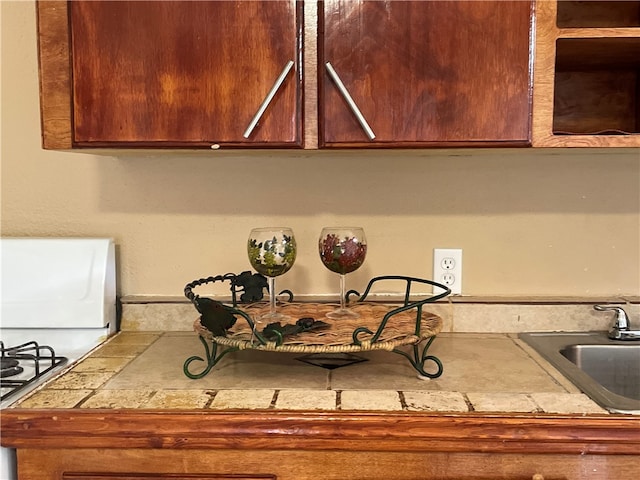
pixel 224 329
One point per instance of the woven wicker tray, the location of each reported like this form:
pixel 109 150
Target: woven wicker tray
pixel 338 337
pixel 380 327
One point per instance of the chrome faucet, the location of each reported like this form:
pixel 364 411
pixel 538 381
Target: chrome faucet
pixel 620 329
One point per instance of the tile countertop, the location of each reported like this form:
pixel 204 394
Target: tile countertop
pixel 483 372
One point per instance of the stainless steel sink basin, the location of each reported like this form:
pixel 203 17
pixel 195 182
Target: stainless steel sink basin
pixel 615 367
pixel 608 371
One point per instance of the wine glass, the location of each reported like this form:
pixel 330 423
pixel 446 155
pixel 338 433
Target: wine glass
pixel 342 250
pixel 272 251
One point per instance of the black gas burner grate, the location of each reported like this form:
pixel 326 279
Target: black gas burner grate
pixel 10 367
pixel 36 360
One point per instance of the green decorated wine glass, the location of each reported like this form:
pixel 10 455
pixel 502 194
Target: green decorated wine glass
pixel 272 252
pixel 342 250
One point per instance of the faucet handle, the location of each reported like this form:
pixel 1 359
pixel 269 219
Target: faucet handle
pixel 621 320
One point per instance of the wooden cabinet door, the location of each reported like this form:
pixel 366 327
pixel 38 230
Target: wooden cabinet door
pixel 185 73
pixel 426 73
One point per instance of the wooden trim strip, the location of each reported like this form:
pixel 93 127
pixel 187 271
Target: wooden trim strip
pixel 405 432
pixel 55 74
pixel 310 69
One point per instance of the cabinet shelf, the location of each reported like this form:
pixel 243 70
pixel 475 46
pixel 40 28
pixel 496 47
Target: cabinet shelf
pixel 605 13
pixel 596 86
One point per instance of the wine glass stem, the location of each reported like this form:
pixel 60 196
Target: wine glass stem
pixel 343 299
pixel 272 294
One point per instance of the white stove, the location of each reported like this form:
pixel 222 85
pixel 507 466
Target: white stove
pixel 58 302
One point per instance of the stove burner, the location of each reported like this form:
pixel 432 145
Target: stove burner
pixel 10 367
pixel 24 364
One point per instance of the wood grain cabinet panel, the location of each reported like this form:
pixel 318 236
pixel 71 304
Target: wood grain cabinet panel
pixel 181 73
pixel 426 73
pixel 154 464
pixel 193 74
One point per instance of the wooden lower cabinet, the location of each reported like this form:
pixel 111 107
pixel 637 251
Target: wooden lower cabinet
pixel 85 444
pixel 156 464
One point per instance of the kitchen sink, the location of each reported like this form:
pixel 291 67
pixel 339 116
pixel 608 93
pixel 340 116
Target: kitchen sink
pixel 615 367
pixel 608 371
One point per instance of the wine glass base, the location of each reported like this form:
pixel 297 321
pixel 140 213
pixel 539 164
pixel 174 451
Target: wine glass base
pixel 342 314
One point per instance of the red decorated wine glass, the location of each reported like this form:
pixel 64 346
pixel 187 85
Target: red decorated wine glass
pixel 342 250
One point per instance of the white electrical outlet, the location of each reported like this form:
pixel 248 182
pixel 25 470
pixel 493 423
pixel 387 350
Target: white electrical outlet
pixel 447 268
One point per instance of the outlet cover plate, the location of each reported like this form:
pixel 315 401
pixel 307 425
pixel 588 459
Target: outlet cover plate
pixel 447 268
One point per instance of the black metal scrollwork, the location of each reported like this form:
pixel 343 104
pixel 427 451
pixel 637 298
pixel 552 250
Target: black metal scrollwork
pixel 217 318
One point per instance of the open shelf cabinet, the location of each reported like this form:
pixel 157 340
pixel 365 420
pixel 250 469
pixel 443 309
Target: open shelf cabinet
pixel 587 74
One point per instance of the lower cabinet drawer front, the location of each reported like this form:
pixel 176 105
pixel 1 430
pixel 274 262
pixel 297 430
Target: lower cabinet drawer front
pixel 188 464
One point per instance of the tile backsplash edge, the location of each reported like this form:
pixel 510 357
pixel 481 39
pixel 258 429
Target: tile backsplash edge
pixel 486 315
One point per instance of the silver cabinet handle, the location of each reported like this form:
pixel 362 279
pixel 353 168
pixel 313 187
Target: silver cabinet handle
pixel 268 98
pixel 354 108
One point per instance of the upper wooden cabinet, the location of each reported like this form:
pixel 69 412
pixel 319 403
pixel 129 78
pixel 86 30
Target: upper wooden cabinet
pixel 587 74
pixel 200 74
pixel 425 73
pixel 171 73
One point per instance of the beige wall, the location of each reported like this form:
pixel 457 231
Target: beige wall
pixel 545 222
